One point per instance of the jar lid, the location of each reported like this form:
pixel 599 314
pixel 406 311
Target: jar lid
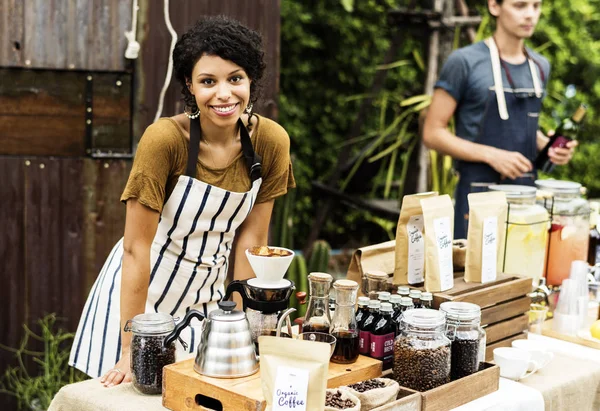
pixel 395 298
pixel 363 300
pixel 320 277
pixel 424 318
pixel 374 303
pixel 386 307
pixel 152 323
pixel 346 285
pixel 383 295
pixel 559 186
pixel 514 191
pixel 461 311
pixel 226 313
pixel 377 275
pixel 403 290
pixel 426 296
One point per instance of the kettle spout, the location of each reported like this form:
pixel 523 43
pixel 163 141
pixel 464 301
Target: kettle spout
pixel 285 315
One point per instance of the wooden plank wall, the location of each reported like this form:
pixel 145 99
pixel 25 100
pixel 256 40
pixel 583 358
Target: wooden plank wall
pixel 64 34
pixel 261 15
pixel 60 219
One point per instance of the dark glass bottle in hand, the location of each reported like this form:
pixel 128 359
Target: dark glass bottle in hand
pixel 566 131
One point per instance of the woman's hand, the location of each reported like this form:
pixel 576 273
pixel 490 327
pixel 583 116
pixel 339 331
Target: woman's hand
pixel 561 156
pixel 121 372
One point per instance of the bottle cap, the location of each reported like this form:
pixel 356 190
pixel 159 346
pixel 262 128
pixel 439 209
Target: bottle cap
pixel 386 307
pixel 374 303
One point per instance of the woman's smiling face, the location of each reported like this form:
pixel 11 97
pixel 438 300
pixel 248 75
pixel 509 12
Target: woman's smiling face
pixel 221 89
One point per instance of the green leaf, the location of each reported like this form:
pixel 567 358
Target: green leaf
pixel 399 63
pixel 415 99
pixel 348 5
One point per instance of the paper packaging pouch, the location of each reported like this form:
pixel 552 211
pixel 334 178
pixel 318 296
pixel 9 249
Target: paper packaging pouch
pixel 410 244
pixel 379 257
pixel 293 373
pixel 438 215
pixel 485 238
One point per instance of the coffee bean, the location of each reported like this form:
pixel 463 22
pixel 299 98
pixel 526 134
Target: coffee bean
pixel 367 385
pixel 465 358
pixel 420 364
pixel 334 400
pixel 148 357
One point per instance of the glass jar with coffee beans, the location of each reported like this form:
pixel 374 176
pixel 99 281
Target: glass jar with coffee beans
pixel 148 353
pixel 468 338
pixel 422 350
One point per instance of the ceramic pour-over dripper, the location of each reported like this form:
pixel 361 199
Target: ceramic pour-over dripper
pixel 271 266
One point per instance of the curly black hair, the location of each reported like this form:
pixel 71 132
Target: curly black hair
pixel 224 37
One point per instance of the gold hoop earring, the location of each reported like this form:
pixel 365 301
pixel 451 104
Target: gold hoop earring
pixel 191 115
pixel 248 109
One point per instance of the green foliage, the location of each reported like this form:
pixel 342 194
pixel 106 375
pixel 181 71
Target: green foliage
pixel 54 370
pixel 328 55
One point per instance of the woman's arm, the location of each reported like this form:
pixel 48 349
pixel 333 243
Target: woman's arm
pixel 253 231
pixel 140 227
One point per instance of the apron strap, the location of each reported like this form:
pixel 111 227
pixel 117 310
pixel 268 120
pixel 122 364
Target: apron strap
pixel 498 84
pixel 253 160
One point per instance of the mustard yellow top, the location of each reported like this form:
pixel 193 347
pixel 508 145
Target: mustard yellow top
pixel 161 157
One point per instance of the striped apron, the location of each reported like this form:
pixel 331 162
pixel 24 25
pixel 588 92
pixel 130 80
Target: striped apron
pixel 189 261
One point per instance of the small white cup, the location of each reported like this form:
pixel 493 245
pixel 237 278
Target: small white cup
pixel 538 354
pixel 514 363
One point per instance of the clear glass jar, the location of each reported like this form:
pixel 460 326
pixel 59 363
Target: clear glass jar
pixel 148 353
pixel 376 282
pixel 524 250
pixel 343 325
pixel 422 350
pixel 569 233
pixel 426 300
pixel 318 316
pixel 463 328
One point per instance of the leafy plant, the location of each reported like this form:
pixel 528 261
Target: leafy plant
pixel 53 369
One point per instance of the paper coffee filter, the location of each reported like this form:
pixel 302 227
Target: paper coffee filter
pixel 270 270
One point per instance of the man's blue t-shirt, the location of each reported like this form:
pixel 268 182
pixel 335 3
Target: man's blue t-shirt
pixel 467 77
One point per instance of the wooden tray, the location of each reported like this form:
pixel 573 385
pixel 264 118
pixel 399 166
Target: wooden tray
pixel 456 393
pixel 504 304
pixel 185 389
pixel 407 400
pixel 548 331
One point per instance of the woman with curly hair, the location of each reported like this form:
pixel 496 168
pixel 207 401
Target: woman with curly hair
pixel 198 180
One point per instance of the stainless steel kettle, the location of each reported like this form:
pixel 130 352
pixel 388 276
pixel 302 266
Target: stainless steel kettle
pixel 225 349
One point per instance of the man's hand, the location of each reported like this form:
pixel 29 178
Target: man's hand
pixel 510 164
pixel 561 156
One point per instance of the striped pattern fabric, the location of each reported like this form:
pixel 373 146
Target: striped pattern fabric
pixel 189 262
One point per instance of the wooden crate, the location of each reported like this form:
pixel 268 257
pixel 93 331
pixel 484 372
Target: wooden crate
pixel 407 400
pixel 455 393
pixel 185 389
pixel 504 304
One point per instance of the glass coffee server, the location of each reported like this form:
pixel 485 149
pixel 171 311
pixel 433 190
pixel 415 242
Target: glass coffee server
pixel 318 317
pixel 343 325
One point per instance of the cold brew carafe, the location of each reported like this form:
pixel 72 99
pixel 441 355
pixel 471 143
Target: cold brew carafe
pixel 318 317
pixel 343 325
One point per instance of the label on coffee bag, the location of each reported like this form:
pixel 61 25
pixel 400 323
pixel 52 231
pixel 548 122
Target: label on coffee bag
pixel 291 389
pixel 443 237
pixel 489 249
pixel 416 249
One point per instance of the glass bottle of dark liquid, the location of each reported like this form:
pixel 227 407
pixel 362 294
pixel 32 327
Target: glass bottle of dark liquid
pixel 395 300
pixel 566 131
pixel 406 303
pixel 416 297
pixel 318 317
pixel 594 247
pixel 382 337
pixel 364 336
pixel 361 312
pixel 343 324
pixel 426 300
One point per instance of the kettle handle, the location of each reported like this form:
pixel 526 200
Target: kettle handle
pixel 184 323
pixel 236 286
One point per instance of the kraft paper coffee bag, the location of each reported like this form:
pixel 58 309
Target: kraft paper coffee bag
pixel 485 238
pixel 410 244
pixel 438 214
